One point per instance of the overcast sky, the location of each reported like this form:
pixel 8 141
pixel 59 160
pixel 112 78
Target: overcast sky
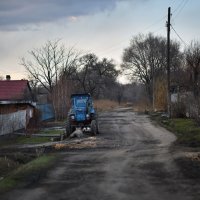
pixel 103 27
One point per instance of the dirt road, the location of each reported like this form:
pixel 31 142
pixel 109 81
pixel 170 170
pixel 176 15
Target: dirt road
pixel 132 160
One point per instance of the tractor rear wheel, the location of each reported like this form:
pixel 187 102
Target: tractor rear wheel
pixel 68 128
pixel 97 124
pixel 94 127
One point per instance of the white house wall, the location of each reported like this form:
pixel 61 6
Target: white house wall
pixel 12 122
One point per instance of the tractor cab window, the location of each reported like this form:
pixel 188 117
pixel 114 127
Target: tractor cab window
pixel 81 102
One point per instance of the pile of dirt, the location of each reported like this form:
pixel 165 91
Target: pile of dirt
pixel 194 156
pixel 77 144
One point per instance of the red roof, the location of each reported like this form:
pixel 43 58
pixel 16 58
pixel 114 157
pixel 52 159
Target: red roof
pixel 13 89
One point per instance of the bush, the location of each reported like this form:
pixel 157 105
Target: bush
pixel 178 110
pixel 34 122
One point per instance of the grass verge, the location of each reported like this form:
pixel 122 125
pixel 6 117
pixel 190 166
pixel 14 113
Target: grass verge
pixel 186 130
pixel 51 132
pixel 31 140
pixel 17 140
pixel 28 173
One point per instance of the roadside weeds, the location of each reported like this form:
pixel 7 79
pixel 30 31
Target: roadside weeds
pixel 187 144
pixel 27 173
pixel 36 138
pixel 186 130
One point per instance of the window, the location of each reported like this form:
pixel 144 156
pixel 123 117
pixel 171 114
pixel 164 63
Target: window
pixel 81 102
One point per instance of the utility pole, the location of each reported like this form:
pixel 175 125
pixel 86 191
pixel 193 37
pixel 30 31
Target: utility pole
pixel 168 63
pixel 153 88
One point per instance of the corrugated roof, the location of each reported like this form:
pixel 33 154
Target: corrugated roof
pixel 13 89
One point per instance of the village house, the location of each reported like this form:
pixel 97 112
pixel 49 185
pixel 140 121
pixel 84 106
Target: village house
pixel 16 105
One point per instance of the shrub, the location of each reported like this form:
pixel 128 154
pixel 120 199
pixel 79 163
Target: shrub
pixel 178 110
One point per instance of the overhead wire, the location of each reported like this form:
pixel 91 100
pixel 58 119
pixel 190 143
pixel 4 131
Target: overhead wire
pixel 155 23
pixel 112 48
pixel 180 10
pixel 179 36
pixel 179 6
pixel 177 10
pixel 173 2
pixel 116 46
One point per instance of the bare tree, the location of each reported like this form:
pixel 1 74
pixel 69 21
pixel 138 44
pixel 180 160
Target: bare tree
pixel 192 55
pixel 45 64
pixel 145 59
pixel 70 63
pixel 87 64
pixel 49 61
pixel 94 74
pixel 144 55
pixel 48 65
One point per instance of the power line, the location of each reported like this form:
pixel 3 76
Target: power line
pixel 184 4
pixel 178 7
pixel 173 3
pixel 158 29
pixel 155 23
pixel 112 48
pixel 179 36
pixel 116 46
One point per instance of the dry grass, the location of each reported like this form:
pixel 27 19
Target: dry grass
pixel 142 106
pixel 104 104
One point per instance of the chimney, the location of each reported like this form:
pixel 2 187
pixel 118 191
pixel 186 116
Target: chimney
pixel 7 77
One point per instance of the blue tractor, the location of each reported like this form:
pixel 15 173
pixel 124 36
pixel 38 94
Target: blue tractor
pixel 82 114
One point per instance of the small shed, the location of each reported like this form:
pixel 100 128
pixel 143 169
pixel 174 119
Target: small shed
pixel 16 105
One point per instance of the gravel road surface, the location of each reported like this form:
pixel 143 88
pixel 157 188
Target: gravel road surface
pixel 131 160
